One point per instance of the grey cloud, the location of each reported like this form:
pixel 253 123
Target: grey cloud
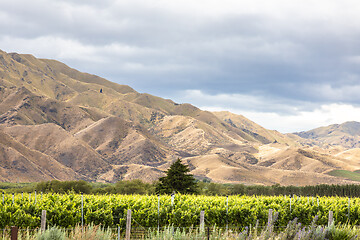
pixel 295 58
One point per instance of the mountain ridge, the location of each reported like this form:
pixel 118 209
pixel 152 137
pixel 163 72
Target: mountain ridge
pixel 346 135
pixel 96 130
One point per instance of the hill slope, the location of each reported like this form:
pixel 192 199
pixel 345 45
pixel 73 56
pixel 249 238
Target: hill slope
pixel 59 123
pixel 346 135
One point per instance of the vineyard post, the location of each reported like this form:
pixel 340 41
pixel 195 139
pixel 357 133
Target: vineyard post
pixel 317 198
pixel 331 218
pixel 35 197
pixel 13 198
pixel 82 212
pixel 290 203
pixel 14 233
pixel 43 220
pixel 227 212
pixel 29 196
pixel 202 217
pixel 349 209
pixel 308 200
pixel 158 212
pixel 172 199
pixel 128 225
pixel 3 198
pixel 22 195
pixel 118 232
pixel 172 212
pixel 270 217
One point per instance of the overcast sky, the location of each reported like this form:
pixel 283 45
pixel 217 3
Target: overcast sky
pixel 287 65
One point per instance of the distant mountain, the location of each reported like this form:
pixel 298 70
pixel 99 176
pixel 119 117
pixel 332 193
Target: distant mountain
pixel 346 135
pixel 59 123
pixel 257 132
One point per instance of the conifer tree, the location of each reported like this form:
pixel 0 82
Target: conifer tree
pixel 177 180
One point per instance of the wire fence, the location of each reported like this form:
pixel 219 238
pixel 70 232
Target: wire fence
pixel 146 233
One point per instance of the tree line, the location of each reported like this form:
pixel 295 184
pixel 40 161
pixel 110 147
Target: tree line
pixel 203 188
pixel 179 180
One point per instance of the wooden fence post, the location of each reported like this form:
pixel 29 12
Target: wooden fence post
pixel 270 217
pixel 202 220
pixel 43 220
pixel 128 225
pixel 331 218
pixel 14 233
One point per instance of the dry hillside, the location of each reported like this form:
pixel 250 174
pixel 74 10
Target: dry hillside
pixel 59 123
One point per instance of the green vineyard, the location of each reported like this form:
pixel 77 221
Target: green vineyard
pixel 65 210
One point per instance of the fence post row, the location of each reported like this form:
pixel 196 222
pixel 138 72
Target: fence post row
pixel 14 230
pixel 128 225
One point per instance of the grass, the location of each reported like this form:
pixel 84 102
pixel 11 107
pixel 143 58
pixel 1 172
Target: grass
pixel 293 230
pixel 345 174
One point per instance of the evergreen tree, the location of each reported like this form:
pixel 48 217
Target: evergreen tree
pixel 177 179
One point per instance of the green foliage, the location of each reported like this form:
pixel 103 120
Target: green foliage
pixel 213 189
pixel 91 231
pixel 64 210
pixel 64 186
pixel 204 187
pixel 132 187
pixel 53 233
pixel 341 232
pixel 177 179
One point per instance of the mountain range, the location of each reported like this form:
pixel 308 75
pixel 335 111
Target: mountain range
pixel 59 123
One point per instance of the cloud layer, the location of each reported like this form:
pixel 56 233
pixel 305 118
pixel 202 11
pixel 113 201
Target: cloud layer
pixel 282 58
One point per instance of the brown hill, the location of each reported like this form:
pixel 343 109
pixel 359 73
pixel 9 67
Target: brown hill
pixel 254 130
pixel 123 143
pixel 54 141
pixel 59 123
pixel 346 135
pixel 20 163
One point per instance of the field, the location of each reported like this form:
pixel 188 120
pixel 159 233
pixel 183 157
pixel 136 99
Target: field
pixel 64 210
pixel 354 176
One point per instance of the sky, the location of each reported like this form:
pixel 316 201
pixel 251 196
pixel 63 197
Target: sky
pixel 287 65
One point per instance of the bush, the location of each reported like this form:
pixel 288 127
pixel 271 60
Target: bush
pixel 53 233
pixel 64 186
